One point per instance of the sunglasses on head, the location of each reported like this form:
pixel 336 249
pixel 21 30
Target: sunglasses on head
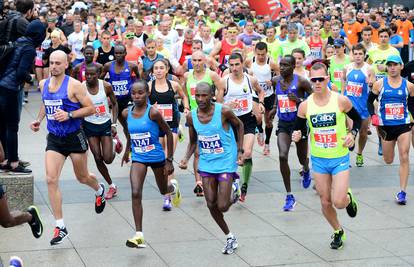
pixel 318 79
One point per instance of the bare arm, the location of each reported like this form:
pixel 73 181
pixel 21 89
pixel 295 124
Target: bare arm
pixel 78 93
pixel 193 140
pixel 182 95
pixel 104 71
pixel 237 124
pixel 220 90
pixel 110 93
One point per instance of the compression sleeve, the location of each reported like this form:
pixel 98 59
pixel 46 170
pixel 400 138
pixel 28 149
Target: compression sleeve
pixel 300 124
pixel 356 119
pixel 370 103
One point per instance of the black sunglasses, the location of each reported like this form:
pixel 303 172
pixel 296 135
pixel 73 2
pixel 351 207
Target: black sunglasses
pixel 318 79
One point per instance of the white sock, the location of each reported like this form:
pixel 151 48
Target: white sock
pixel 60 223
pixel 112 185
pixel 174 184
pixel 100 190
pixel 139 234
pixel 230 235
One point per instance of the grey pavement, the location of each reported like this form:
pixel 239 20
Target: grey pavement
pixel 381 235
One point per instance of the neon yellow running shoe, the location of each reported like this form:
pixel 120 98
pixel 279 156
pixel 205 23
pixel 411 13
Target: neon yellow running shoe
pixel 136 242
pixel 176 196
pixel 337 239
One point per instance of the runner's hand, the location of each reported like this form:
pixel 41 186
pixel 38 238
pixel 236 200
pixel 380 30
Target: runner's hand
pixel 269 83
pixel 125 158
pixel 296 136
pixel 183 164
pixel 169 168
pixel 349 140
pixel 272 113
pixel 293 97
pixel 113 131
pixel 35 126
pixel 240 159
pixel 261 108
pixel 231 104
pixel 61 115
pixel 375 120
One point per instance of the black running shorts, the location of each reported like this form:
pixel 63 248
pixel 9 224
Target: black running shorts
pixel 72 143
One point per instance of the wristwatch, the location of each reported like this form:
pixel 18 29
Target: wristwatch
pixel 170 159
pixel 241 151
pixel 70 114
pixel 354 132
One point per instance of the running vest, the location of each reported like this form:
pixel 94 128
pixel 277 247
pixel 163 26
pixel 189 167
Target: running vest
pixel 105 57
pixel 208 47
pixel 81 74
pixel 262 73
pixel 191 85
pixel 217 147
pixel 166 104
pixel 241 94
pixel 327 126
pixel 144 134
pixel 336 71
pixel 392 107
pixel 122 82
pixel 356 87
pixel 226 50
pixel 315 48
pixel 100 101
pixel 286 108
pixel 59 100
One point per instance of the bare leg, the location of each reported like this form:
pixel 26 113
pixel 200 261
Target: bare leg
pixel 10 219
pixel 54 163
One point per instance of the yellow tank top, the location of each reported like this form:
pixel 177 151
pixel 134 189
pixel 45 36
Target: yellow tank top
pixel 327 128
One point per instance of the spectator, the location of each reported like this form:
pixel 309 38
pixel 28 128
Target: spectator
pixel 75 43
pixel 405 29
pixel 11 87
pixel 19 19
pixel 67 27
pixel 396 40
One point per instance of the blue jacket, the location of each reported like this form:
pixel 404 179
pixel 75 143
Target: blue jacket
pixel 21 60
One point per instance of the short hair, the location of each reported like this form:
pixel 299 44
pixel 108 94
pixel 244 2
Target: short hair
pixel 359 46
pixel 89 47
pixel 261 46
pixel 384 30
pixel 105 32
pixel 299 51
pixel 367 29
pixel 120 45
pixel 232 25
pixel 318 66
pixel 24 5
pixel 149 41
pixel 290 58
pixel 198 41
pixel 142 83
pixel 292 27
pixel 236 55
pixel 283 27
pixel 393 27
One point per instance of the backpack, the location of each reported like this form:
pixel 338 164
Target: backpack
pixel 6 47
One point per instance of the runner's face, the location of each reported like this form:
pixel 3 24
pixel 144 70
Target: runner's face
pixel 293 35
pixel 359 56
pixel 139 95
pixel 315 31
pixel 329 52
pixel 91 75
pixel 261 55
pixel 203 97
pixel 57 66
pixel 236 66
pixel 318 86
pixel 286 67
pixel 89 53
pixel 394 69
pixel 249 27
pixel 198 62
pixel 270 33
pixel 335 31
pixel 299 59
pixel 196 47
pixel 120 53
pixel 366 36
pixel 232 33
pixel 160 70
pixel 106 39
pixel 384 38
pixel 151 49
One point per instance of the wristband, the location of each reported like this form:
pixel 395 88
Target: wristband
pixel 114 125
pixel 170 159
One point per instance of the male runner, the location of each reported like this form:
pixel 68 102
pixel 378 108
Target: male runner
pixel 290 90
pixel 393 119
pixel 65 102
pixel 358 78
pixel 80 69
pixel 210 128
pixel 236 91
pixel 325 112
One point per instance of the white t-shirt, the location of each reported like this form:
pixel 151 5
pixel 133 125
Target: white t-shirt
pixel 169 40
pixel 75 41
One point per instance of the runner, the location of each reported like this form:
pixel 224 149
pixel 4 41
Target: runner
pixel 290 90
pixel 65 102
pixel 149 58
pixel 300 69
pixel 316 44
pixel 325 112
pixel 106 52
pixel 199 74
pixel 80 69
pixel 145 124
pixel 211 128
pixel 98 127
pixel 162 96
pixel 237 92
pixel 358 78
pixel 263 68
pixel 393 119
pixel 121 78
pixel 338 62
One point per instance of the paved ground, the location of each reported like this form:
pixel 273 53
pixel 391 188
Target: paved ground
pixel 381 235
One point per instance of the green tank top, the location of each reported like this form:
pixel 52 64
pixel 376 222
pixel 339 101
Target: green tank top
pixel 327 128
pixel 191 85
pixel 336 71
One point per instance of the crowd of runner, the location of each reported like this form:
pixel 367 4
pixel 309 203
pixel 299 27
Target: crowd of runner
pixel 325 75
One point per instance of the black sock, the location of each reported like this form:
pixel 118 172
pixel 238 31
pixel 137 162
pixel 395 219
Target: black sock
pixel 268 134
pixel 259 127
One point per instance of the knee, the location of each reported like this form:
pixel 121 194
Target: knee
pixel 82 178
pixel 388 159
pixel 341 203
pixel 136 194
pixel 211 205
pixel 326 203
pixel 51 181
pixel 108 159
pixel 404 157
pixel 98 158
pixel 223 207
pixel 283 157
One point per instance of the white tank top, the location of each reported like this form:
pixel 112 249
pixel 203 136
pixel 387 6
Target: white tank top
pixel 208 47
pixel 262 73
pixel 100 101
pixel 241 94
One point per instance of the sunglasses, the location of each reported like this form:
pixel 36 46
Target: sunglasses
pixel 318 79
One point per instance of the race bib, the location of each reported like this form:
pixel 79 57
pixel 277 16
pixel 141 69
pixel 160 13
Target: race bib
pixel 210 144
pixel 51 106
pixel 142 142
pixel 242 105
pixel 166 111
pixel 192 92
pixel 394 111
pixel 285 104
pixel 100 110
pixel 265 86
pixel 325 138
pixel 39 54
pixel 338 75
pixel 120 88
pixel 316 52
pixel 354 89
pixel 380 76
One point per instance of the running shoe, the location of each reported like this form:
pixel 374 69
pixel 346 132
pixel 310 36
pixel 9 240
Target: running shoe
pixel 401 198
pixel 26 99
pixel 290 203
pixel 306 179
pixel 359 160
pixel 118 144
pixel 379 149
pixel 59 235
pixel 136 242
pixel 15 262
pixel 167 203
pixel 266 150
pixel 181 136
pixel 231 245
pixel 236 192
pixel 36 223
pixel 352 207
pixel 260 139
pixel 243 192
pixel 198 189
pixel 176 200
pixel 337 239
pixel 112 192
pixel 100 200
pixel 24 163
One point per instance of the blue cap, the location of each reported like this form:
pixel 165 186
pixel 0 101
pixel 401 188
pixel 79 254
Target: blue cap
pixel 339 42
pixel 395 59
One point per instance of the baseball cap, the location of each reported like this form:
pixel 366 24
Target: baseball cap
pixel 339 42
pixel 395 59
pixel 179 27
pixel 200 12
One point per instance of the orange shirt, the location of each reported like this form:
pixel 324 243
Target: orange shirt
pixel 352 31
pixel 133 54
pixel 404 28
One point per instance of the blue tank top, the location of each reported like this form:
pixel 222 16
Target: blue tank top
pixel 392 106
pixel 144 134
pixel 122 82
pixel 217 147
pixel 356 89
pixel 189 64
pixel 287 109
pixel 59 100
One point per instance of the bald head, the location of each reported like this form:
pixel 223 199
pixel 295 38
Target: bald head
pixel 58 63
pixel 59 55
pixel 203 88
pixel 198 54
